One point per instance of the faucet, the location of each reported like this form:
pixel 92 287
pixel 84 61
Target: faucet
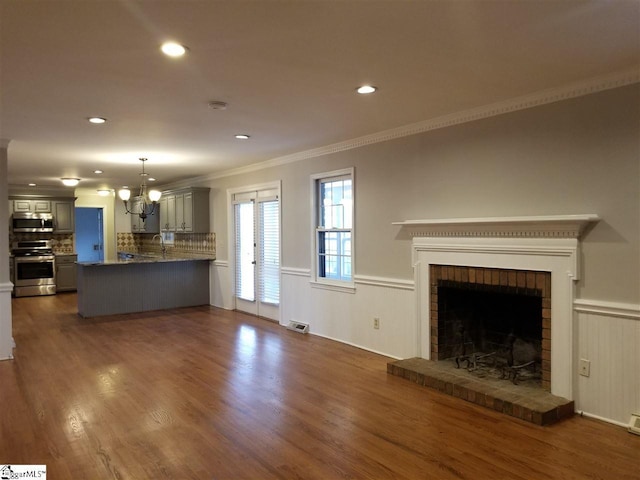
pixel 163 248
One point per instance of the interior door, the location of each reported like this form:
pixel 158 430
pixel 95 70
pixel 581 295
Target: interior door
pixel 89 234
pixel 257 252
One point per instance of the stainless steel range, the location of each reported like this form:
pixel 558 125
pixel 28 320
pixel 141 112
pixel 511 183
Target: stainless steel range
pixel 34 268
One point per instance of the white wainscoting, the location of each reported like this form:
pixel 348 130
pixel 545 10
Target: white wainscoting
pixel 221 285
pixel 6 338
pixel 348 317
pixel 609 337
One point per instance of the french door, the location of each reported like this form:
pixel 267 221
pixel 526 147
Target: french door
pixel 257 252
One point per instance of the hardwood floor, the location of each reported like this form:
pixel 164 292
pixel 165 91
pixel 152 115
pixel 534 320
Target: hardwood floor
pixel 203 393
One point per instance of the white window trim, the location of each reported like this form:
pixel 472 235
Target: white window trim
pixel 321 282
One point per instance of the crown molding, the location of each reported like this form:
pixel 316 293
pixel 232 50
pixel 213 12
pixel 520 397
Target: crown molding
pixel 542 97
pixel 549 226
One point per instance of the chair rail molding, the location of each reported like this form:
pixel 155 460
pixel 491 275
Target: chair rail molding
pixel 607 309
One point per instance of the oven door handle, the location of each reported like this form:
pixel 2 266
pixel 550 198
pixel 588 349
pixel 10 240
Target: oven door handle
pixel 33 259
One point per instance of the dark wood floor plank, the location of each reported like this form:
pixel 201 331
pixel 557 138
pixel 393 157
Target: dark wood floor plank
pixel 203 393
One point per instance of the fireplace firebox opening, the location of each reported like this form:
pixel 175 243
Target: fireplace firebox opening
pixel 499 319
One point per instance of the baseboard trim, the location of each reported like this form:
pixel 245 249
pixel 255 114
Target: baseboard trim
pixel 351 344
pixel 602 419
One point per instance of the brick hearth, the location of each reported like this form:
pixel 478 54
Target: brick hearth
pixel 528 403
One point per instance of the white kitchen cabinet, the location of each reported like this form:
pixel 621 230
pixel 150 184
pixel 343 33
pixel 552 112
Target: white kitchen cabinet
pixel 31 206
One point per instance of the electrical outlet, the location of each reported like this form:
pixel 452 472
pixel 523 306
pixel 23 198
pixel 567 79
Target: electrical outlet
pixel 585 367
pixel 376 323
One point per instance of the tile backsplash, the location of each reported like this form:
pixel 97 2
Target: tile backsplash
pixel 60 242
pixel 185 243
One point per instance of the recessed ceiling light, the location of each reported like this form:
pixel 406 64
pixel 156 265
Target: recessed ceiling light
pixel 98 172
pixel 364 89
pixel 97 120
pixel 173 49
pixel 151 179
pixel 70 182
pixel 242 136
pixel 32 184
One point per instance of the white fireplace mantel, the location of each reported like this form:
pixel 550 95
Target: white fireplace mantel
pixel 554 226
pixel 536 243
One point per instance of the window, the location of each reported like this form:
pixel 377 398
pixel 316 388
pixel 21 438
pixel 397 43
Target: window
pixel 334 226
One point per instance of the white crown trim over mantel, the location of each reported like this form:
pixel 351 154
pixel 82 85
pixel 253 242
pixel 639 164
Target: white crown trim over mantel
pixel 554 226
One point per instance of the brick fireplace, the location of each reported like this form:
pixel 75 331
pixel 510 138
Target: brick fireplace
pixel 536 257
pixel 532 288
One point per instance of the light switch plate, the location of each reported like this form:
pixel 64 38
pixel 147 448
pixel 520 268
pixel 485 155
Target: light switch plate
pixel 585 367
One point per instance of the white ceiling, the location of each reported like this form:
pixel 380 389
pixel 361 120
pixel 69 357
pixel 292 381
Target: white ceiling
pixel 287 69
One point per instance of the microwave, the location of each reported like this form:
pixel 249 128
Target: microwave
pixel 32 222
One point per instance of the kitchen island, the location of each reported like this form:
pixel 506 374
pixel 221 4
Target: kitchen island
pixel 140 283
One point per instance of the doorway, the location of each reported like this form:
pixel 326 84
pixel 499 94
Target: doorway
pixel 89 234
pixel 256 246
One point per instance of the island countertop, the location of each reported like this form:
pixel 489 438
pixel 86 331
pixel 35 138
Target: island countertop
pixel 125 258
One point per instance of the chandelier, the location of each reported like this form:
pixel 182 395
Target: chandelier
pixel 147 200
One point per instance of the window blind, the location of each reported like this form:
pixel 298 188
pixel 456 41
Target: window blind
pixel 245 250
pixel 269 262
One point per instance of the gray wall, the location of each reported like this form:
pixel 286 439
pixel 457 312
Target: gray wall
pixel 576 156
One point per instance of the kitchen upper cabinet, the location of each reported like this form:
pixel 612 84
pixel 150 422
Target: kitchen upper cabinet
pixel 164 218
pixel 150 225
pixel 134 206
pixel 31 206
pixel 180 223
pixel 63 216
pixel 168 213
pixel 61 208
pixel 187 211
pixel 66 273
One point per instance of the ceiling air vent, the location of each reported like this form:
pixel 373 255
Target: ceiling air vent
pixel 217 105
